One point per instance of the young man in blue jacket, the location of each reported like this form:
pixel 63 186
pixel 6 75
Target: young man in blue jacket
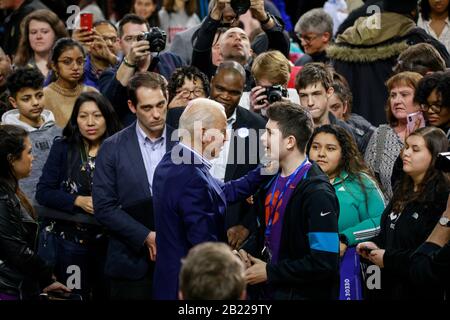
pixel 296 241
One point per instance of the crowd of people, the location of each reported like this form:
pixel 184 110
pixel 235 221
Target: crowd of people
pixel 184 149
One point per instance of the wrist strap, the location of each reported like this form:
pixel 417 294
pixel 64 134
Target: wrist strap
pixel 128 64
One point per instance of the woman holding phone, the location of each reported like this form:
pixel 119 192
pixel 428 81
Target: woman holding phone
pixel 386 142
pixel 416 206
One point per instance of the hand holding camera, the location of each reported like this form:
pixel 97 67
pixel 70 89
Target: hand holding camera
pixel 262 97
pixel 216 12
pixel 258 99
pixel 257 10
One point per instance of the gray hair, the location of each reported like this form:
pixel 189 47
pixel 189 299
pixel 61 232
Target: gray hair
pixel 200 110
pixel 315 20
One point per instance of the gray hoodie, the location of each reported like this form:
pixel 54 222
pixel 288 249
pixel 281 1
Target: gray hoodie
pixel 41 140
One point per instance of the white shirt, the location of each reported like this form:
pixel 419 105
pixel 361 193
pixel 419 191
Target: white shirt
pixel 219 164
pixel 444 37
pixel 152 151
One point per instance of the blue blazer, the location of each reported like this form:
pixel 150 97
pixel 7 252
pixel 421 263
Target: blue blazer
pixel 120 183
pixel 189 206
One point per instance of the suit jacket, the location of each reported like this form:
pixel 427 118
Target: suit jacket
pixel 121 197
pixel 243 156
pixel 189 206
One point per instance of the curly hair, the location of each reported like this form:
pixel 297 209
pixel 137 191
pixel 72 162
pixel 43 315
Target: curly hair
pixel 190 73
pixel 24 77
pixel 426 85
pixel 434 181
pixel 351 159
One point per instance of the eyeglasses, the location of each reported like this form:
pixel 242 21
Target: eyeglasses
pixel 436 108
pixel 185 93
pixel 69 62
pixel 306 38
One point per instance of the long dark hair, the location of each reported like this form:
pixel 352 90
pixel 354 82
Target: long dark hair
pixel 58 49
pixel 71 131
pixel 351 159
pixel 12 144
pixel 434 181
pixel 425 9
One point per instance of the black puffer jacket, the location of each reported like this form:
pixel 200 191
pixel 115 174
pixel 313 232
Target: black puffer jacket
pixel 22 271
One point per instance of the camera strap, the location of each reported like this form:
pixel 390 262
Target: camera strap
pixel 154 63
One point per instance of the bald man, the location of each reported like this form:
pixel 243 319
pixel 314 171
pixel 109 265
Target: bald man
pixel 189 203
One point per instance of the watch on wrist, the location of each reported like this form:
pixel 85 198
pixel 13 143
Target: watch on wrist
pixel 444 221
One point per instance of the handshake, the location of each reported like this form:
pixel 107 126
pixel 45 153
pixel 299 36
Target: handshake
pixel 255 269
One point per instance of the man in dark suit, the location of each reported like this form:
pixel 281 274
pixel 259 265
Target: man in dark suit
pixel 241 153
pixel 122 190
pixel 189 204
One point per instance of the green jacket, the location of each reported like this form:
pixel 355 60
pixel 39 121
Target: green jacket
pixel 358 221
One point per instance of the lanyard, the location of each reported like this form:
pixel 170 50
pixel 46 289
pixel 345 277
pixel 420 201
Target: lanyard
pixel 274 209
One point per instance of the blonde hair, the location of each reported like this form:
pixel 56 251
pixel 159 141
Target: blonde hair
pixel 273 66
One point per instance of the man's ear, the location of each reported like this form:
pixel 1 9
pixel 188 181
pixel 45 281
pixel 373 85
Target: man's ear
pixel 13 102
pixel 330 92
pixel 131 106
pixel 292 142
pixel 180 295
pixel 326 37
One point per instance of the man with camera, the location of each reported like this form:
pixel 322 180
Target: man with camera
pixel 271 71
pixel 235 43
pixel 141 48
pixel 240 154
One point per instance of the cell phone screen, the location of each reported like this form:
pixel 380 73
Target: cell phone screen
pixel 86 21
pixel 415 121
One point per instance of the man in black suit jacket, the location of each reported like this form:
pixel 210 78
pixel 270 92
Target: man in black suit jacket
pixel 122 188
pixel 241 152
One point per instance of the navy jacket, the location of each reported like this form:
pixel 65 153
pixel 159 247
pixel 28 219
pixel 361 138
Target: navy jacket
pixel 189 206
pixel 164 64
pixel 120 184
pixel 49 190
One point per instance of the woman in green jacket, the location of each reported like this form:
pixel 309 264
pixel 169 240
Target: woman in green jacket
pixel 361 201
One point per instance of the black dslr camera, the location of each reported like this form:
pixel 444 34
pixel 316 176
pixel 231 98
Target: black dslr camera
pixel 156 37
pixel 274 94
pixel 240 6
pixel 443 162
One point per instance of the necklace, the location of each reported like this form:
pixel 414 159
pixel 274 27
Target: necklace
pixel 74 92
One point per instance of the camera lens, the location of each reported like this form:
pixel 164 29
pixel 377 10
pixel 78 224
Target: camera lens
pixel 240 6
